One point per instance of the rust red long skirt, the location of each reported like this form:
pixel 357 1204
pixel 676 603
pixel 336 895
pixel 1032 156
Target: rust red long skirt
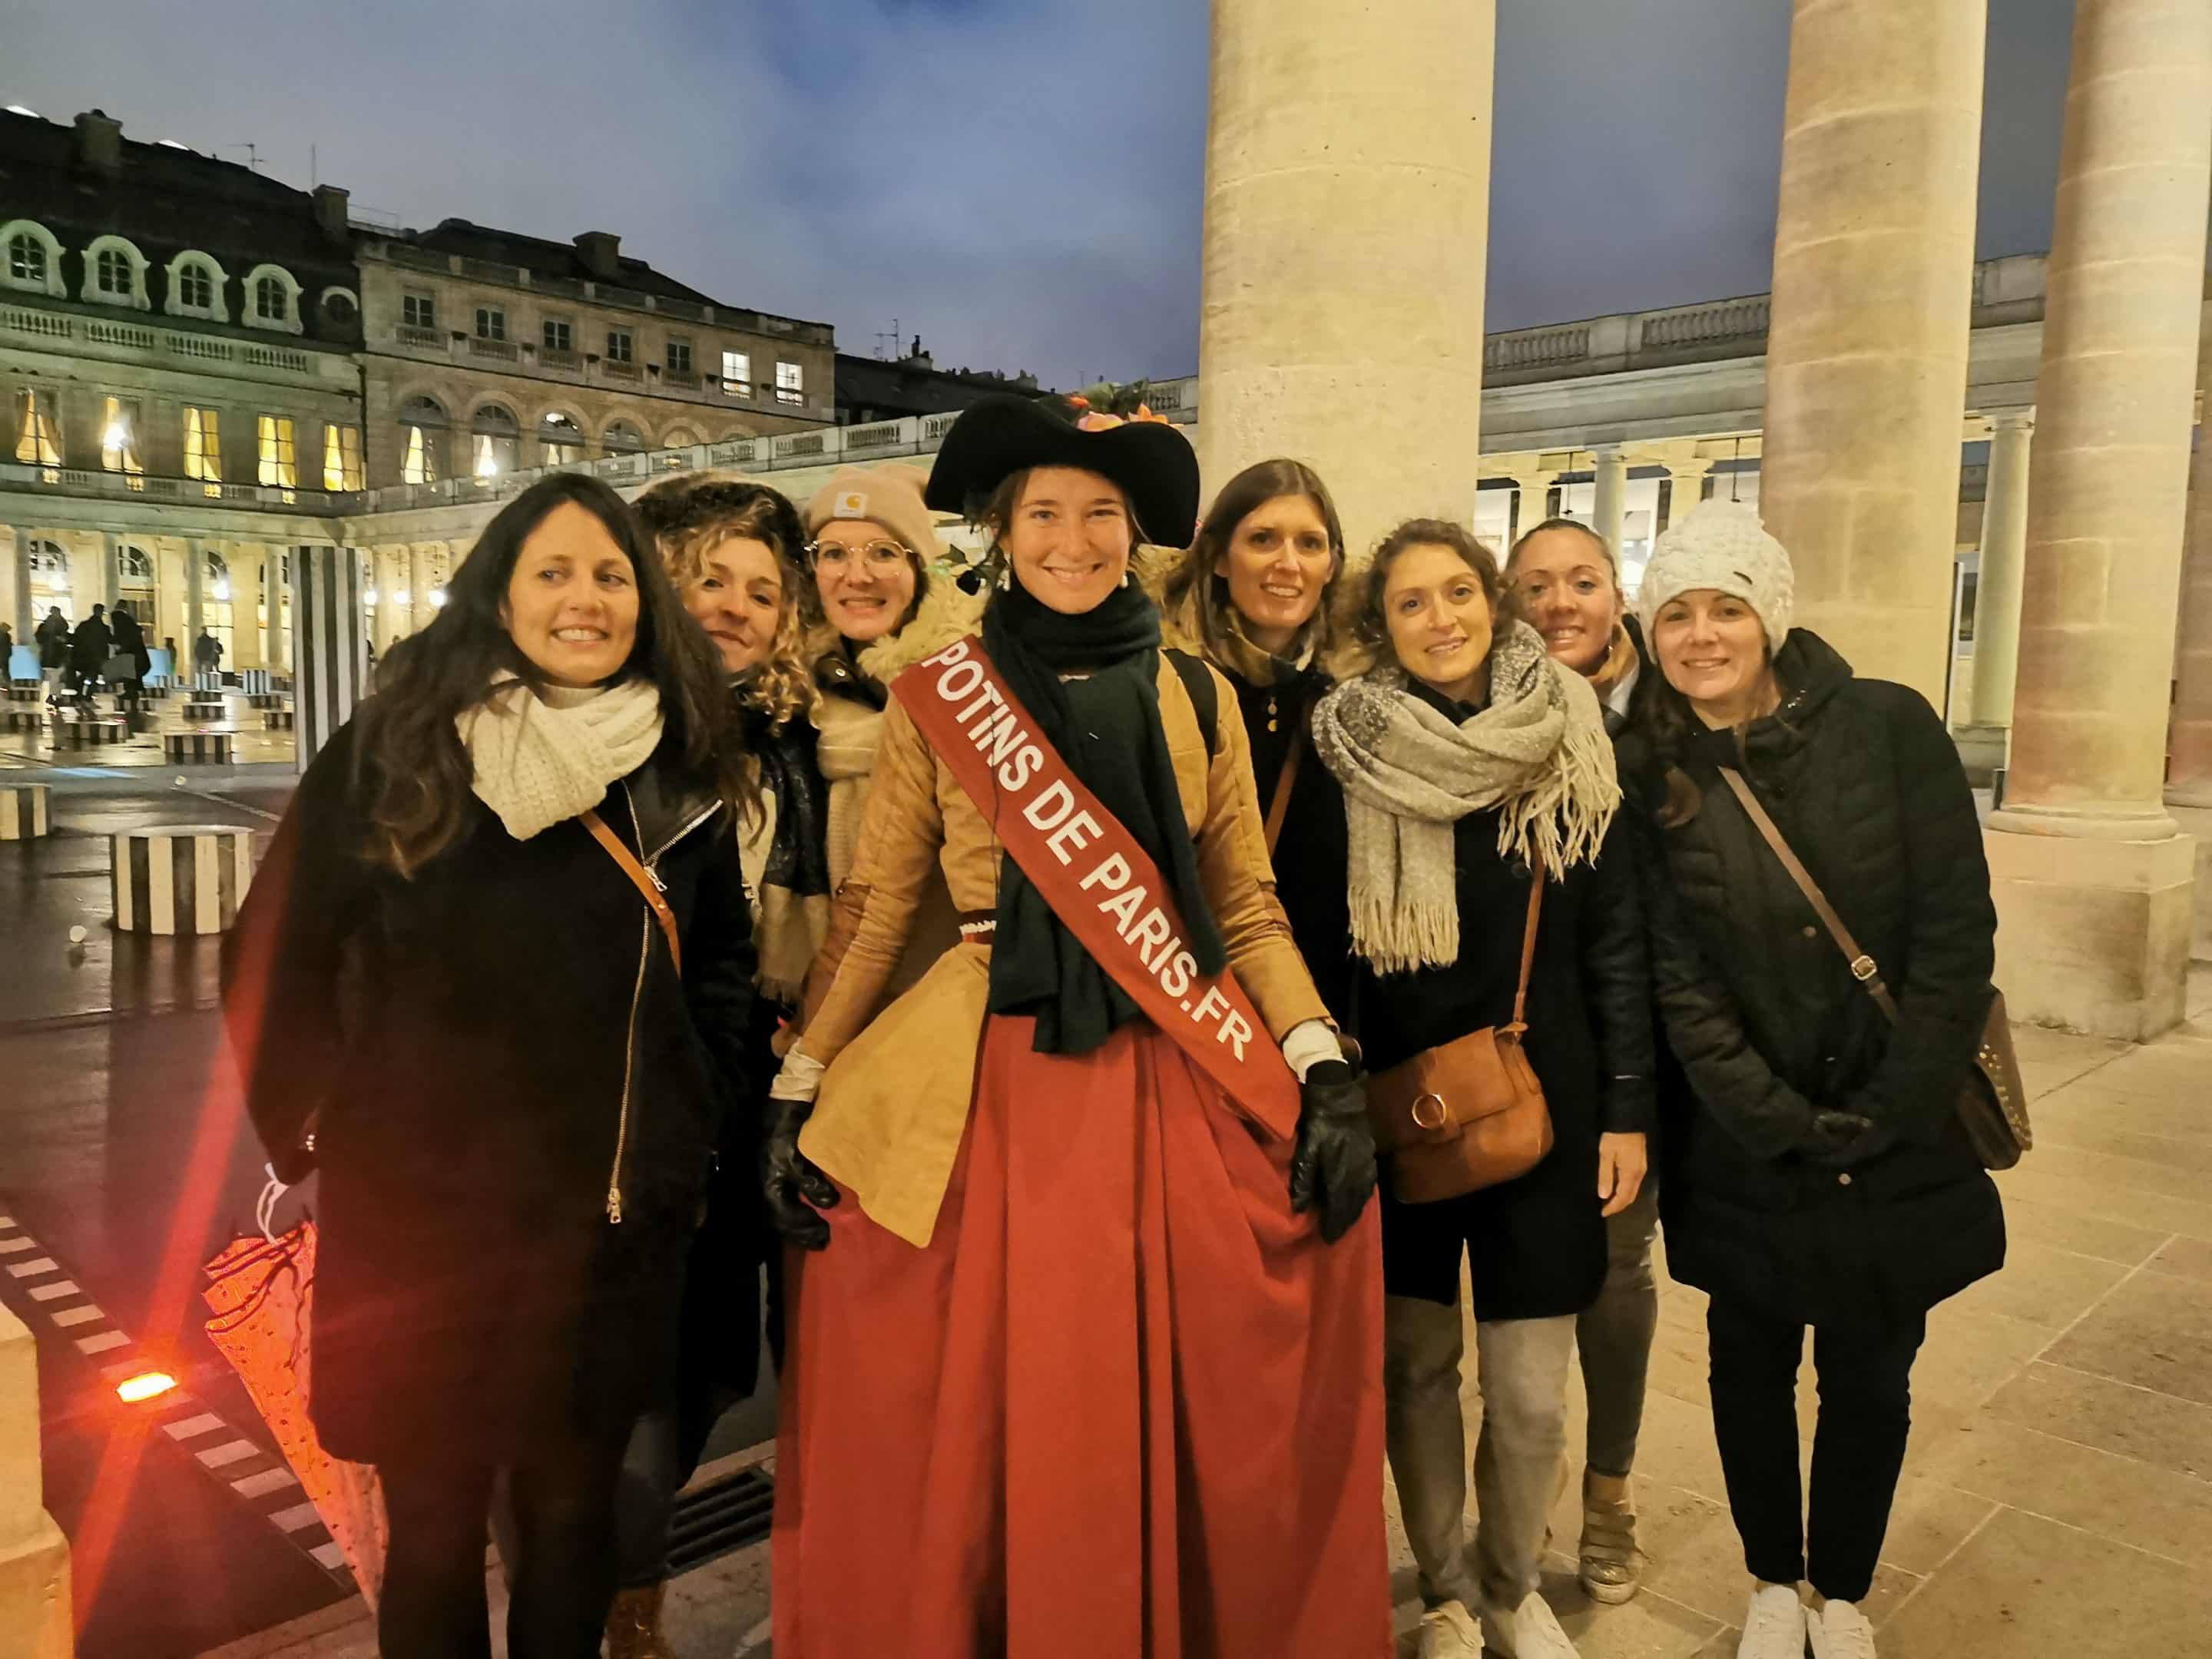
pixel 1126 1405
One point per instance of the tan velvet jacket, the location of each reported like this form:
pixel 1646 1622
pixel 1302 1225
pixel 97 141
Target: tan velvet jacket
pixel 894 1103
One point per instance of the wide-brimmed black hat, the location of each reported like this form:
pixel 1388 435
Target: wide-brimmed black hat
pixel 1003 434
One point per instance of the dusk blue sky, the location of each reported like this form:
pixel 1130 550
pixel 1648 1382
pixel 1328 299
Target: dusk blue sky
pixel 1019 181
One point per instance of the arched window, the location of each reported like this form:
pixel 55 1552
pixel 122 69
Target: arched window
pixel 678 437
pixel 560 441
pixel 272 299
pixel 622 439
pixel 30 258
pixel 422 441
pixel 497 447
pixel 195 287
pixel 218 576
pixel 115 272
pixel 341 310
pixel 134 566
pixel 49 575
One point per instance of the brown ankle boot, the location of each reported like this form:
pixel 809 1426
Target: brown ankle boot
pixel 634 1626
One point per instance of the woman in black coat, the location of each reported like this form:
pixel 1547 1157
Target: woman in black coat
pixel 459 1004
pixel 1253 596
pixel 1822 1176
pixel 1468 757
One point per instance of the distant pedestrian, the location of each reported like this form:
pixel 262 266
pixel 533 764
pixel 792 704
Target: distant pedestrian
pixel 128 668
pixel 207 653
pixel 90 648
pixel 533 815
pixel 1821 1175
pixel 7 647
pixel 53 638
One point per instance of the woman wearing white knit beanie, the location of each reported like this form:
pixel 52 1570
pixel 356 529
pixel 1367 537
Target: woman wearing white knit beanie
pixel 1820 1175
pixel 492 982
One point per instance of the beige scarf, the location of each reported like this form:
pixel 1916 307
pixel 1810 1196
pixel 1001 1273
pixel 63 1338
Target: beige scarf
pixel 542 758
pixel 1538 753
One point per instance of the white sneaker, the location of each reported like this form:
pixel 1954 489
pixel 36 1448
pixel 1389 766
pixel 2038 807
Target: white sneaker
pixel 1529 1632
pixel 1840 1631
pixel 1773 1625
pixel 1449 1632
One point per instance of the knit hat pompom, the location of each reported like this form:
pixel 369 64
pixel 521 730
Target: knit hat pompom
pixel 1723 546
pixel 887 495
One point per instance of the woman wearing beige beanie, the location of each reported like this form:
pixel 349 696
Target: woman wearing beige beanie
pixel 882 598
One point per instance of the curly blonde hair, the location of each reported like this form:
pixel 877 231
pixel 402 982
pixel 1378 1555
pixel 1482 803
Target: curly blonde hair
pixel 780 684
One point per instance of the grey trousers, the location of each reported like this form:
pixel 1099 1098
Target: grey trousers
pixel 1522 1371
pixel 1614 1334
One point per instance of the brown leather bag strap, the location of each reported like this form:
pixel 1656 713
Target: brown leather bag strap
pixel 1528 941
pixel 1278 808
pixel 1863 966
pixel 643 879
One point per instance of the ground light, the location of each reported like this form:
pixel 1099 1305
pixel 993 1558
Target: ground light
pixel 146 1385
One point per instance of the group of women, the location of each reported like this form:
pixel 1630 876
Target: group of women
pixel 1016 946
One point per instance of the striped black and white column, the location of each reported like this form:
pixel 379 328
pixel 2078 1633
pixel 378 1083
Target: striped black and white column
pixel 254 680
pixel 206 708
pixel 330 622
pixel 93 734
pixel 179 878
pixel 199 748
pixel 22 811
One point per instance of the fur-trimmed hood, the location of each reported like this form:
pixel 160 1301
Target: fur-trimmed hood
pixel 947 612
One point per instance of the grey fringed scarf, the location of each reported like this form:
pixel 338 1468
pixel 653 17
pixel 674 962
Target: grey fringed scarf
pixel 1538 753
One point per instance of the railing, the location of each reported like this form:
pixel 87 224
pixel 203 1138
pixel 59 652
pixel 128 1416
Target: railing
pixel 689 310
pixel 274 357
pixel 506 351
pixel 432 339
pixel 133 336
pixel 44 324
pixel 608 294
pixel 1536 348
pixel 147 487
pixel 614 370
pixel 740 389
pixel 883 435
pixel 683 377
pixel 548 357
pixel 491 270
pixel 118 334
pixel 198 345
pixel 1701 325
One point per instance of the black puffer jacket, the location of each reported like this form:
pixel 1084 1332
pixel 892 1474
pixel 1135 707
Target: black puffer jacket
pixel 488 1048
pixel 1862 781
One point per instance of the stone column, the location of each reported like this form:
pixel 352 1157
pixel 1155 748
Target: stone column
pixel 2188 780
pixel 2004 555
pixel 1532 495
pixel 26 617
pixel 1866 364
pixel 248 577
pixel 419 588
pixel 111 569
pixel 1685 486
pixel 2090 875
pixel 1611 467
pixel 1373 122
pixel 196 554
pixel 279 600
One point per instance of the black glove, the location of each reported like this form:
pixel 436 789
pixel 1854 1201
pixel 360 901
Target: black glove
pixel 1333 1167
pixel 1840 1139
pixel 793 1188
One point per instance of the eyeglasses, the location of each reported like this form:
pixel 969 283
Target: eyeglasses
pixel 882 557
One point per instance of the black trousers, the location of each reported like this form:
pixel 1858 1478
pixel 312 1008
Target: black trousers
pixel 1858 1446
pixel 562 1582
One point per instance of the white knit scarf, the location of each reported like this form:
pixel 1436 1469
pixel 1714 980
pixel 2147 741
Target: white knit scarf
pixel 542 758
pixel 1537 752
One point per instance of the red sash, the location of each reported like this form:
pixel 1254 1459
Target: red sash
pixel 1099 881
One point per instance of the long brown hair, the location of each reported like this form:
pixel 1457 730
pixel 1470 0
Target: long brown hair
pixel 1194 591
pixel 414 777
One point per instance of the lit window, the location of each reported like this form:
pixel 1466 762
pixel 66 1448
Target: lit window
pixel 277 470
pixel 271 302
pixel 423 440
pixel 35 439
pixel 559 337
pixel 498 446
pixel 738 373
pixel 195 287
pixel 624 438
pixel 620 346
pixel 790 384
pixel 27 259
pixel 204 447
pixel 112 272
pixel 342 468
pixel 679 357
pixel 418 311
pixel 118 439
pixel 491 323
pixel 560 440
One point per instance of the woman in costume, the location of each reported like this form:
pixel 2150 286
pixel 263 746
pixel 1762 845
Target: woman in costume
pixel 1086 1363
pixel 1473 766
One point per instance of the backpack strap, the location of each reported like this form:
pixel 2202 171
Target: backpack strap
pixel 1204 691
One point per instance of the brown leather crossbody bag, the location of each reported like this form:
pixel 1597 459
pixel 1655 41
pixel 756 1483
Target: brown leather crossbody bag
pixel 1992 1101
pixel 1467 1114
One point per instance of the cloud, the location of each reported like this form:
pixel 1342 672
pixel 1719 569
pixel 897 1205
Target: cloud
pixel 1020 181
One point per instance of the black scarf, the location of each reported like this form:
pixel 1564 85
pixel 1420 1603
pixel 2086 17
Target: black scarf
pixel 798 854
pixel 1106 725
